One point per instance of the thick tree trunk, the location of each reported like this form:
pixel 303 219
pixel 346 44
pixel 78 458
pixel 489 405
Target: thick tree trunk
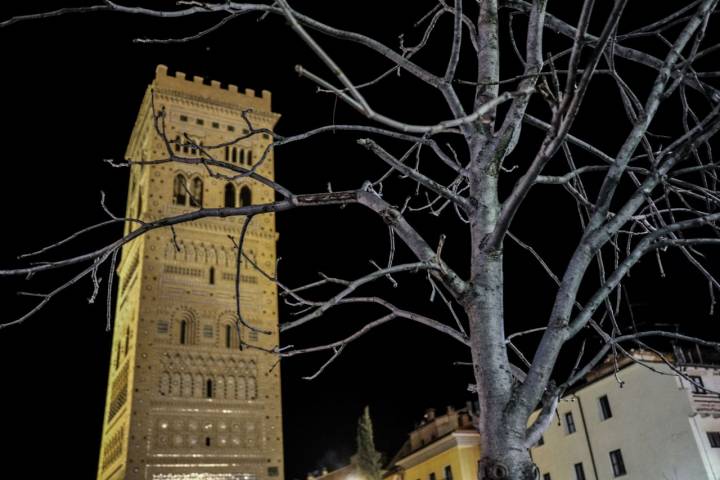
pixel 502 431
pixel 513 464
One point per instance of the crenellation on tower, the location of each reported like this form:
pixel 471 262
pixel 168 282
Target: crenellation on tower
pixel 214 90
pixel 185 401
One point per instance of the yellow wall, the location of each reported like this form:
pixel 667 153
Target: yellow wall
pixel 462 460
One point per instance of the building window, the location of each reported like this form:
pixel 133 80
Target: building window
pixel 245 196
pixel 215 125
pixel 546 476
pixel 183 332
pixel 569 423
pixel 209 389
pixel 200 121
pixel 714 438
pixel 249 157
pixel 197 192
pixel 232 337
pixel 273 471
pixel 183 118
pixel 227 154
pixel 579 471
pixel 176 143
pixel 207 441
pixel 605 411
pixel 432 476
pixel 179 190
pixel 230 195
pixel 697 384
pixel 163 326
pixel 242 156
pixel 448 472
pixel 618 466
pixel 230 128
pixel 234 154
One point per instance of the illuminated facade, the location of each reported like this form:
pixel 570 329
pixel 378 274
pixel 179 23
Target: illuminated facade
pixel 445 447
pixel 184 400
pixel 655 425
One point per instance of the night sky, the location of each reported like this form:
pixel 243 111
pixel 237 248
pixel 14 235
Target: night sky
pixel 71 88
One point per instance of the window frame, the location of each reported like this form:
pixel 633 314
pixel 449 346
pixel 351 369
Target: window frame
pixel 196 192
pixel 180 190
pixel 245 196
pixel 605 409
pixel 713 439
pixel 209 388
pixel 230 196
pixel 579 471
pixel 617 463
pixel 183 332
pixel 570 426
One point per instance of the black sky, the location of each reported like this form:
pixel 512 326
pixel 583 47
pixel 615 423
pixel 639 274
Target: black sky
pixel 71 88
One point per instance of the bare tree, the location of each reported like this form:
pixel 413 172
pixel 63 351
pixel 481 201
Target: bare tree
pixel 650 193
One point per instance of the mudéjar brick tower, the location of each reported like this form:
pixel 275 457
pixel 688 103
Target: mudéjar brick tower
pixel 185 400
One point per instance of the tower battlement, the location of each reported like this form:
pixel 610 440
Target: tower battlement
pixel 211 90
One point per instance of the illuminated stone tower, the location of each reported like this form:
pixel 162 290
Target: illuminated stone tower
pixel 184 400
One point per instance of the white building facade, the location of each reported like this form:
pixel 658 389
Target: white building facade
pixel 644 423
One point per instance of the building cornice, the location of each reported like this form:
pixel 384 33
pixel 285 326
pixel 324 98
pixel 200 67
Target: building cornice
pixel 458 438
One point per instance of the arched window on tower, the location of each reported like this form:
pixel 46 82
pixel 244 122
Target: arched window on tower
pixel 209 389
pixel 232 337
pixel 245 196
pixel 249 157
pixel 197 192
pixel 229 195
pixel 183 332
pixel 176 143
pixel 242 156
pixel 227 154
pixel 234 154
pixel 180 190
